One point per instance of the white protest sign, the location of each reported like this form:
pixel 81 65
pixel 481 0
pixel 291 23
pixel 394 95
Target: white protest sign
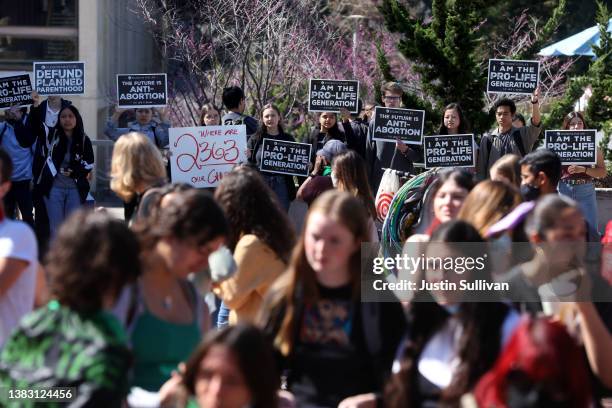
pixel 202 155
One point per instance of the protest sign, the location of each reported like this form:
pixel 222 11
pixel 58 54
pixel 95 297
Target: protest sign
pixel 395 123
pixel 328 95
pixel 142 90
pixel 573 146
pixel 449 151
pixel 15 90
pixel 202 155
pixel 282 157
pixel 59 78
pixel 513 76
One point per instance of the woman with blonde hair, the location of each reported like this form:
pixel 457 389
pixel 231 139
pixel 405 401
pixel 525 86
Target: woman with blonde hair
pixel 488 202
pixel 507 169
pixel 136 166
pixel 335 350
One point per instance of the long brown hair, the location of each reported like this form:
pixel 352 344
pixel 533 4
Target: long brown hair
pixel 488 203
pixel 350 170
pixel 299 284
pixel 251 208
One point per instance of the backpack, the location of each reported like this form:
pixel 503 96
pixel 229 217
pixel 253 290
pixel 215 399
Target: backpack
pixel 516 135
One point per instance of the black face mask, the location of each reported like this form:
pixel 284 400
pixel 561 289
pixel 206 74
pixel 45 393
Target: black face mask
pixel 533 397
pixel 529 192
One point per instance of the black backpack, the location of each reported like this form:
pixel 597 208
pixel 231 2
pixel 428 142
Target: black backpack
pixel 516 135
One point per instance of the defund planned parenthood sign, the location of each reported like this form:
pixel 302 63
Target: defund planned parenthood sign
pixel 59 78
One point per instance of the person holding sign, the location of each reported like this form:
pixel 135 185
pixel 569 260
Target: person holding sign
pixel 506 138
pixel 328 129
pixel 271 128
pixel 454 121
pixel 380 154
pixel 61 172
pixel 145 124
pixel 577 181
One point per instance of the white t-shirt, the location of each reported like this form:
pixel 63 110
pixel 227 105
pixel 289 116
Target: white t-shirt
pixel 17 241
pixel 51 116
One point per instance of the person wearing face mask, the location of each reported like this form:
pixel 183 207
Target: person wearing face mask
pixel 557 232
pixel 335 350
pixel 540 174
pixel 577 180
pixel 321 177
pixel 454 336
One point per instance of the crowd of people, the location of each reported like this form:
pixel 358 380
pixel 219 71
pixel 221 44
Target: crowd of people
pixel 213 299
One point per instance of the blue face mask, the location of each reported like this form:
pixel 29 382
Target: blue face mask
pixel 529 192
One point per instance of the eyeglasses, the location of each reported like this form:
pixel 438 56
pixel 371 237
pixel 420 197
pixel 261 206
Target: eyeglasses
pixel 391 98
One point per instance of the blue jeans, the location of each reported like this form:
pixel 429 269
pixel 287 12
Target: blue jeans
pixel 60 204
pixel 584 194
pixel 277 184
pixel 223 316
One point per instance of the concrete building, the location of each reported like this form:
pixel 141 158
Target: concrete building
pixel 108 35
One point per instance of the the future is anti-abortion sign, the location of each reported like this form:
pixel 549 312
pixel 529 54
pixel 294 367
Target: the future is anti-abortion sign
pixel 201 155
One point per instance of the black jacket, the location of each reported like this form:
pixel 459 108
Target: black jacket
pixel 56 144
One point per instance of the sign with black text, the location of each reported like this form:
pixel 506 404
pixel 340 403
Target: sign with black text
pixel 15 90
pixel 449 151
pixel 573 146
pixel 396 123
pixel 142 90
pixel 282 157
pixel 330 95
pixel 59 78
pixel 513 76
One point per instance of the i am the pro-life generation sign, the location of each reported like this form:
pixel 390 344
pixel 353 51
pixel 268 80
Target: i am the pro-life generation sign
pixel 449 151
pixel 142 90
pixel 282 157
pixel 329 95
pixel 396 123
pixel 513 76
pixel 573 146
pixel 59 78
pixel 201 155
pixel 15 90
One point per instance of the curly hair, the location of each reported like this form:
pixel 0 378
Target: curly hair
pixel 191 215
pixel 93 256
pixel 251 208
pixel 136 164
